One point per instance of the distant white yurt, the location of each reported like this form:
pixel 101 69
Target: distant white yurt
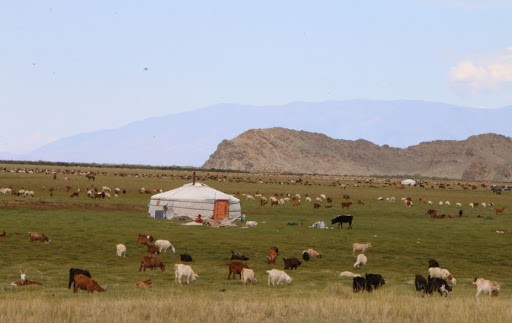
pixel 193 199
pixel 408 182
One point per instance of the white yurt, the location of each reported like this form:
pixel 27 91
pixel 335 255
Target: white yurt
pixel 408 182
pixel 193 199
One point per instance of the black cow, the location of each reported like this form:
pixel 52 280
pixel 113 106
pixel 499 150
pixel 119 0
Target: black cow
pixel 358 284
pixel 420 282
pixel 374 281
pixel 438 285
pixel 344 218
pixel 76 271
pixel 291 263
pixel 305 256
pixel 185 257
pixel 238 256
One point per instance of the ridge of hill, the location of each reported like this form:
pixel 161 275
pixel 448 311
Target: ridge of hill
pixel 480 157
pixel 188 138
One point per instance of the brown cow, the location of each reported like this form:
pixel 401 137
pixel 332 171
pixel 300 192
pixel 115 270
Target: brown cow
pixel 345 204
pixel 144 284
pixel 3 234
pixel 36 236
pixel 151 262
pixel 235 267
pixel 85 283
pixel 499 210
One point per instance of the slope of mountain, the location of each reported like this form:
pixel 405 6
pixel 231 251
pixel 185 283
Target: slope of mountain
pixel 481 157
pixel 187 139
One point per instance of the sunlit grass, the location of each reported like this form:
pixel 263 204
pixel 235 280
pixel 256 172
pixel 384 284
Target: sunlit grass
pixel 84 233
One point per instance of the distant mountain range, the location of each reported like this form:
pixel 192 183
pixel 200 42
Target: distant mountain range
pixel 485 157
pixel 189 138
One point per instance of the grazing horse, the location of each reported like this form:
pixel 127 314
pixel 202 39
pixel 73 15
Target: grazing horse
pixel 344 218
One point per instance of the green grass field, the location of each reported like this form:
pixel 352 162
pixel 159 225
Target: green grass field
pixel 84 233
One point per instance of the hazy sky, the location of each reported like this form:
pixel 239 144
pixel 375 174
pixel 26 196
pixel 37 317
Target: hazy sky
pixel 68 67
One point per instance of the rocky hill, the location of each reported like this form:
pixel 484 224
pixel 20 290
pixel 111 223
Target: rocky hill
pixel 483 157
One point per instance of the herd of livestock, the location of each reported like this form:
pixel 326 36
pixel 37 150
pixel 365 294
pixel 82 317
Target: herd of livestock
pixel 438 280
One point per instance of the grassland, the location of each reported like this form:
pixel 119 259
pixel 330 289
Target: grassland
pixel 84 233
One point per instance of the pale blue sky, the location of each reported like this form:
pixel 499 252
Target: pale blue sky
pixel 69 67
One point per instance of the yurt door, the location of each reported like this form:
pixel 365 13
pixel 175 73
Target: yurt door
pixel 221 209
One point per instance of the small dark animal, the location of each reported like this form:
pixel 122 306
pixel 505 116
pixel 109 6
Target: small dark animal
pixel 374 281
pixel 3 234
pixel 438 285
pixel 344 218
pixel 76 271
pixel 433 263
pixel 358 284
pixel 238 256
pixel 291 263
pixel 305 256
pixel 185 257
pixel 420 282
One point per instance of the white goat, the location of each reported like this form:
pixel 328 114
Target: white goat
pixel 163 245
pixel 361 260
pixel 121 250
pixel 486 286
pixel 360 247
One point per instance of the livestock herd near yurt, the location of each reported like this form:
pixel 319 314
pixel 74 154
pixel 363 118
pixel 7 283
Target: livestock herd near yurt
pixel 291 251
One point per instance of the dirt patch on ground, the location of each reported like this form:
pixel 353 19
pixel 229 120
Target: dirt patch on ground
pixel 44 205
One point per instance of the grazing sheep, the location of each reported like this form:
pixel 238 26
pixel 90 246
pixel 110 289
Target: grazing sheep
pixel 437 272
pixel 312 253
pixel 360 247
pixel 420 282
pixel 181 270
pixel 164 245
pixel 276 277
pixel 247 276
pixel 121 250
pixel 361 260
pixel 349 274
pixel 486 286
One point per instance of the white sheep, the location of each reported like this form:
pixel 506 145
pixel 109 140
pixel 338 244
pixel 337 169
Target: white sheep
pixel 360 247
pixel 247 276
pixel 361 260
pixel 486 286
pixel 251 224
pixel 121 250
pixel 163 245
pixel 441 273
pixel 349 274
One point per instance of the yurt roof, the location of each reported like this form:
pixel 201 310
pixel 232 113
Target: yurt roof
pixel 194 192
